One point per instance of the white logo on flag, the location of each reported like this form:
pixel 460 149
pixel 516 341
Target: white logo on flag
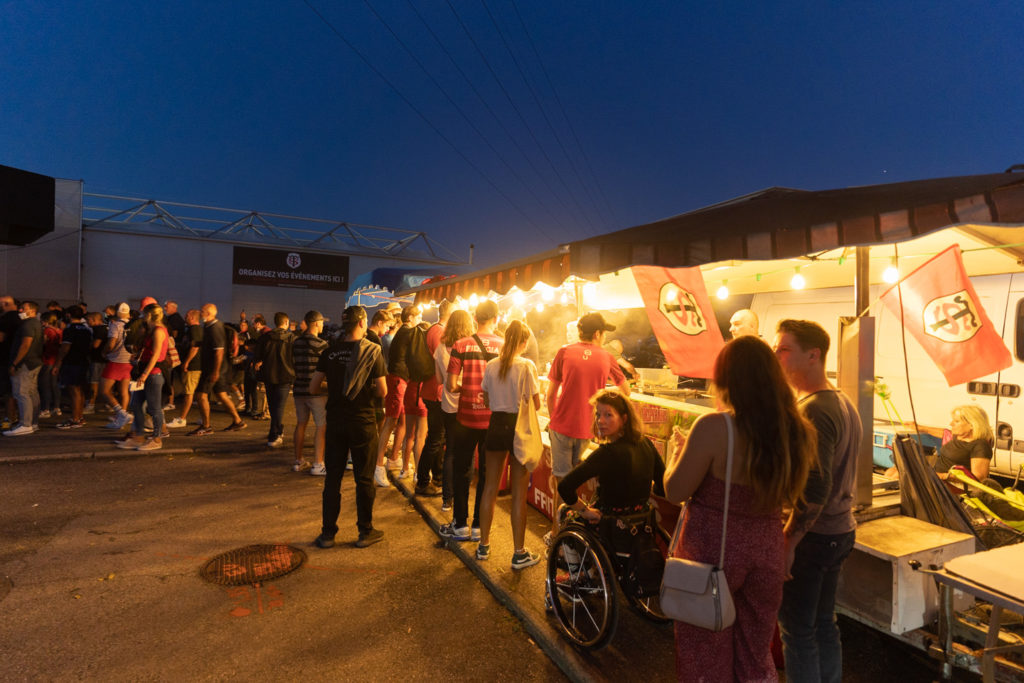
pixel 293 260
pixel 681 309
pixel 952 318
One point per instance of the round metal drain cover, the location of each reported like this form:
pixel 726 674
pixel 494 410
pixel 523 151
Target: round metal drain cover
pixel 252 564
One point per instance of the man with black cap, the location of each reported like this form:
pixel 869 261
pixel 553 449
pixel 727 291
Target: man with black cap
pixel 578 372
pixel 355 371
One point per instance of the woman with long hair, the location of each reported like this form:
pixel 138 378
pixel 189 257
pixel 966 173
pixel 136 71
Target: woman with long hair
pixel 971 445
pixel 508 380
pixel 459 325
pixel 625 463
pixel 773 451
pixel 147 372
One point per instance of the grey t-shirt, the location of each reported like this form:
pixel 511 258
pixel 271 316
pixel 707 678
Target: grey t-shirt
pixel 839 433
pixel 29 328
pixel 119 354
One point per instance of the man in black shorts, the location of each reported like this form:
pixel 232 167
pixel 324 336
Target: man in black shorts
pixel 72 365
pixel 213 379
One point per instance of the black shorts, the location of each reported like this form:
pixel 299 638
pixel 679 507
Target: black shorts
pixel 73 375
pixel 221 386
pixel 500 432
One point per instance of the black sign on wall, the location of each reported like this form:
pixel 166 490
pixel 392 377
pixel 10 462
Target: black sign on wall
pixel 276 268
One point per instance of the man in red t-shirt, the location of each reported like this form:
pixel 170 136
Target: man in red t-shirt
pixel 432 457
pixel 578 372
pixel 465 378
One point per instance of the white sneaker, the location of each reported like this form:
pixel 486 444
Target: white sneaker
pixel 19 430
pixel 407 473
pixel 380 476
pixel 57 413
pixel 299 465
pixel 44 413
pixel 89 409
pixel 119 421
pixel 177 422
pixel 395 464
pixel 276 443
pixel 318 470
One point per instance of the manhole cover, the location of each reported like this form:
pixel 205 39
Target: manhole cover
pixel 252 564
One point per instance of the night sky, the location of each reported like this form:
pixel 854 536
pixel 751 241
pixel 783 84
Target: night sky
pixel 628 112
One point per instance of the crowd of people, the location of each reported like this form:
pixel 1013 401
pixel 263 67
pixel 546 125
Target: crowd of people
pixel 394 392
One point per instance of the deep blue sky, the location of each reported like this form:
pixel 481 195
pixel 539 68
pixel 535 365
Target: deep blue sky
pixel 672 105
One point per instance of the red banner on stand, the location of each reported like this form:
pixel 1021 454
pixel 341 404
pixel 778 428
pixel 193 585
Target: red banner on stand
pixel 681 316
pixel 943 313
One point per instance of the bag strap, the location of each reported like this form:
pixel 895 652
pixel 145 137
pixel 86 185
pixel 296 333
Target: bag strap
pixel 483 349
pixel 728 486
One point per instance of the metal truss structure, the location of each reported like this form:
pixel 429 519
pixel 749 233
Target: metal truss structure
pixel 135 216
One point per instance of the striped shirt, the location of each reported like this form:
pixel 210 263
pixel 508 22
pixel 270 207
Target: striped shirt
pixel 306 352
pixel 468 359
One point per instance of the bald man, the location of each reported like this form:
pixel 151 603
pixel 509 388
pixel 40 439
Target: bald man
pixel 743 323
pixel 215 368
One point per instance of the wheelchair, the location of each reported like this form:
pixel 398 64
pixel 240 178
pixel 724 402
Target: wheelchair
pixel 589 563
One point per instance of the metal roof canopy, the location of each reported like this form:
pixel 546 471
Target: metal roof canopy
pixel 166 219
pixel 773 224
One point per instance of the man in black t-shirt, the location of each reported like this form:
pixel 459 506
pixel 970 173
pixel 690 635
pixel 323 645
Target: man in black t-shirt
pixel 214 376
pixel 72 366
pixel 9 322
pixel 191 364
pixel 354 369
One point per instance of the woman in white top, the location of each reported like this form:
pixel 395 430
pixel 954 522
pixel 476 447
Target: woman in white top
pixel 460 324
pixel 509 379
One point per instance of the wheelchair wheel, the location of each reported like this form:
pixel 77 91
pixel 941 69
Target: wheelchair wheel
pixel 649 606
pixel 581 589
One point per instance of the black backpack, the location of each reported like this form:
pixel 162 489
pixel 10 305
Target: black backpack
pixel 418 358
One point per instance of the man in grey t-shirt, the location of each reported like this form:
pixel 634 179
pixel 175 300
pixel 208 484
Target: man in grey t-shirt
pixel 820 532
pixel 25 360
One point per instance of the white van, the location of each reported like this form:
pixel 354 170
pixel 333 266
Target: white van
pixel 999 394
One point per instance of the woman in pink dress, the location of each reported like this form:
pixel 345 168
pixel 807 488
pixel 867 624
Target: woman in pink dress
pixel 774 448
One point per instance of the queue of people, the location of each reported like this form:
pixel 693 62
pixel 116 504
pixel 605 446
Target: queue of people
pixel 793 453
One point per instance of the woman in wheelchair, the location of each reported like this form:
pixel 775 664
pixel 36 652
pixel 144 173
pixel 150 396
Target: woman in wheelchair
pixel 614 540
pixel 625 464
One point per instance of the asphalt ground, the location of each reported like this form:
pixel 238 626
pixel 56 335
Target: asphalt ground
pixel 99 577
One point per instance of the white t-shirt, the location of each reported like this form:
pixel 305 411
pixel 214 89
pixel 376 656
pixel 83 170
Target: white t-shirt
pixel 449 401
pixel 504 395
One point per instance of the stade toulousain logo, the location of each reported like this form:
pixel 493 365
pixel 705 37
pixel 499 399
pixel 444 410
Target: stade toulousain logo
pixel 681 309
pixel 293 260
pixel 952 318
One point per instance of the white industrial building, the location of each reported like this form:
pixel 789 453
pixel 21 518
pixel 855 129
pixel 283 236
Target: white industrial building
pixel 104 249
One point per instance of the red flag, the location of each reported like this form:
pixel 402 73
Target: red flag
pixel 944 314
pixel 682 318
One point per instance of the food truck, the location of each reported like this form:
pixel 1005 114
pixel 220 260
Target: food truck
pixel 826 256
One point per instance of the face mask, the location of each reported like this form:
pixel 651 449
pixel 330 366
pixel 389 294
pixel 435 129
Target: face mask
pixel 22 314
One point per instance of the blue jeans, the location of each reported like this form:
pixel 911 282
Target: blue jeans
pixel 25 387
pixel 277 399
pixel 151 397
pixel 807 619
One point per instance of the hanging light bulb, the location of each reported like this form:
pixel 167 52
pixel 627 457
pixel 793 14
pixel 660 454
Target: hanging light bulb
pixel 892 273
pixel 798 281
pixel 723 291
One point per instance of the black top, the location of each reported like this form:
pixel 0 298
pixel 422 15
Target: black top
pixel 193 338
pixel 397 351
pixel 175 325
pixel 624 474
pixel 79 337
pixel 9 323
pixel 334 363
pixel 96 353
pixel 957 452
pixel 375 338
pixel 274 350
pixel 214 338
pixel 29 328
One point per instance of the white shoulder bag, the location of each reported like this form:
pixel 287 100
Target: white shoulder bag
pixel 696 592
pixel 526 443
